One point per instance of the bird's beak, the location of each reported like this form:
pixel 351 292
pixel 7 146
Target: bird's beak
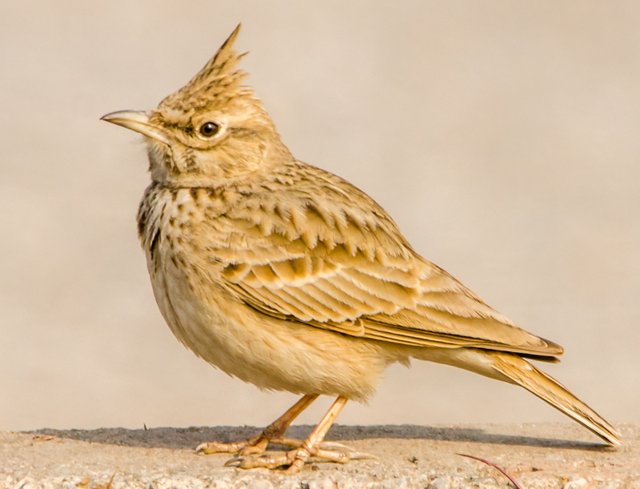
pixel 137 121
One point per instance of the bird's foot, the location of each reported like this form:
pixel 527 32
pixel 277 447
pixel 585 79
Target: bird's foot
pixel 254 445
pixel 293 460
pixel 271 434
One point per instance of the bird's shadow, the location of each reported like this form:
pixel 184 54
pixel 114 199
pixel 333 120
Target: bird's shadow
pixel 188 438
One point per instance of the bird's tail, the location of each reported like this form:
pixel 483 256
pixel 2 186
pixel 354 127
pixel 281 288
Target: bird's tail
pixel 512 368
pixel 521 372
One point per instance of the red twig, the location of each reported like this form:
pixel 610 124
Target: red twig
pixel 497 467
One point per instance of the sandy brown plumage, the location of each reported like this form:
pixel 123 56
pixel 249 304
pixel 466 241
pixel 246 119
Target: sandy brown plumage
pixel 289 277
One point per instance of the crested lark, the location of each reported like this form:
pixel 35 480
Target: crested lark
pixel 288 277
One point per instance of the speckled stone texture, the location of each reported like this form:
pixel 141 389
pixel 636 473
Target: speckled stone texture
pixel 537 456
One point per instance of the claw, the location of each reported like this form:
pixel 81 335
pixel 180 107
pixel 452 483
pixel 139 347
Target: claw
pixel 233 462
pixel 339 456
pixel 219 447
pixel 272 460
pixel 362 456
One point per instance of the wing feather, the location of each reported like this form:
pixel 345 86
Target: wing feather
pixel 349 270
pixel 348 306
pixel 357 295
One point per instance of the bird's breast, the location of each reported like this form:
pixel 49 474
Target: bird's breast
pixel 185 279
pixel 177 233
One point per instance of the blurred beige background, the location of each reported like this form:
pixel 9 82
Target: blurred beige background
pixel 502 136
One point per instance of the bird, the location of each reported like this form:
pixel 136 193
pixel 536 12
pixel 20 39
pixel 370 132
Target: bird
pixel 286 276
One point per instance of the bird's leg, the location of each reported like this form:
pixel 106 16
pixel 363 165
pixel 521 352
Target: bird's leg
pixel 313 447
pixel 299 456
pixel 258 443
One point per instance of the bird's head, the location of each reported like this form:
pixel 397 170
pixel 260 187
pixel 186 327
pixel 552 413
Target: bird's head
pixel 211 130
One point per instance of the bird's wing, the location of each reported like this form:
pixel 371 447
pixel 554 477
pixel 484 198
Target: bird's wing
pixel 351 271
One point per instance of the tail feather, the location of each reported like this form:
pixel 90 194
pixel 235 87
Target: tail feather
pixel 522 373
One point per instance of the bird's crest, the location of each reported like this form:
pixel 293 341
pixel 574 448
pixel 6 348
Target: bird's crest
pixel 219 79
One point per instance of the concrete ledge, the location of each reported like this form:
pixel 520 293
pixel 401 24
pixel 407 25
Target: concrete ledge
pixel 537 455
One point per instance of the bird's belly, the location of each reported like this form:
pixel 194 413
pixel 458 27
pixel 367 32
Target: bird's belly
pixel 267 352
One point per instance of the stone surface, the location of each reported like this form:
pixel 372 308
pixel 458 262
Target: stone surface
pixel 537 456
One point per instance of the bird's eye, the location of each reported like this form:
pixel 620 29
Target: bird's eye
pixel 209 129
